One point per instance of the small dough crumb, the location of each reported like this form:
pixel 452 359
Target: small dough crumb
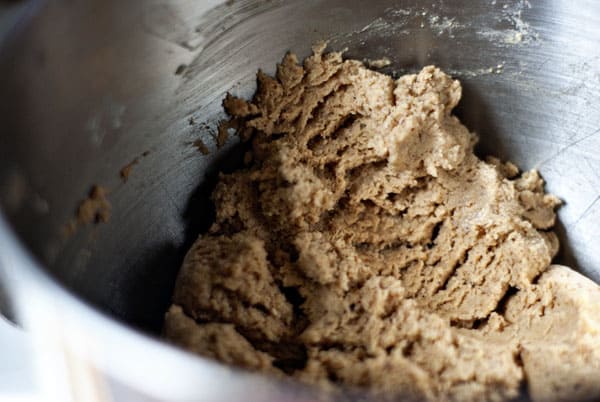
pixel 201 146
pixel 365 245
pixel 94 209
pixel 126 170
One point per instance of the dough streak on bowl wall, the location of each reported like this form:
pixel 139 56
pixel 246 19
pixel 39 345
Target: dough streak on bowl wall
pixel 365 245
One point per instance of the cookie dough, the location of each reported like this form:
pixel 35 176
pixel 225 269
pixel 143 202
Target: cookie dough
pixel 366 246
pixel 94 209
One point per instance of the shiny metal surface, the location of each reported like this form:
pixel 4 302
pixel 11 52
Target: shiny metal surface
pixel 87 86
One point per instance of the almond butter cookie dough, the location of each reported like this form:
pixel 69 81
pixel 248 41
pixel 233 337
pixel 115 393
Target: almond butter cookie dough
pixel 365 245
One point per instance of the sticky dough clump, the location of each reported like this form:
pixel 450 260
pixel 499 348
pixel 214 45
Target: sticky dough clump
pixel 365 245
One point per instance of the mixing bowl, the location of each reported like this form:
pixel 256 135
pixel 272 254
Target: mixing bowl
pixel 90 87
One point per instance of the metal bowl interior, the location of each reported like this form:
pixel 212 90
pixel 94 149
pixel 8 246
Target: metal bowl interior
pixel 88 87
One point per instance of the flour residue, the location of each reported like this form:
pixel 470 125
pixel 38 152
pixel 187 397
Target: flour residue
pixel 476 72
pixel 504 25
pixel 378 63
pixel 520 31
pixel 443 25
pixel 507 25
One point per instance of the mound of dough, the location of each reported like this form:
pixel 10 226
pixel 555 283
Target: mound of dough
pixel 365 245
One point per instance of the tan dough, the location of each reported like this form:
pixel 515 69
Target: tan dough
pixel 365 245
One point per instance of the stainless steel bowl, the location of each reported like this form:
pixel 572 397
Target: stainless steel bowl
pixel 88 86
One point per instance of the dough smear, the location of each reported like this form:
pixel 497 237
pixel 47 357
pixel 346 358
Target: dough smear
pixel 365 245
